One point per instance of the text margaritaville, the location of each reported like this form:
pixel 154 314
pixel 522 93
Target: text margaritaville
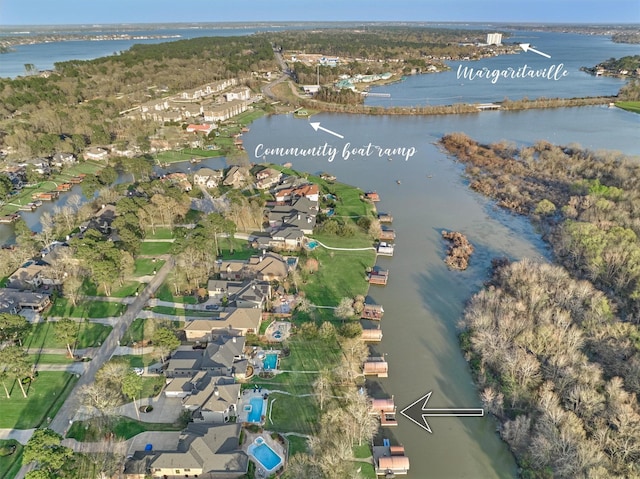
pixel 330 152
pixel 553 72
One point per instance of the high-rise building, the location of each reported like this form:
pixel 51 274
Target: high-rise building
pixel 494 38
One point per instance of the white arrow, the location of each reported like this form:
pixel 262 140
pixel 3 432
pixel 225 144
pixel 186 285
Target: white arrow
pixel 419 414
pixel 316 126
pixel 526 47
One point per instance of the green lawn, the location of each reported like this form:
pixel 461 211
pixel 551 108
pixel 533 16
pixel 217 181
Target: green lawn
pixel 142 328
pixel 42 335
pixel 291 413
pixel 50 359
pixel 147 266
pixel 161 233
pixel 633 106
pixel 45 395
pixel 297 444
pixel 140 360
pixel 164 293
pixel 85 309
pixel 123 428
pixel 341 273
pixel 181 312
pixel 155 248
pixel 10 457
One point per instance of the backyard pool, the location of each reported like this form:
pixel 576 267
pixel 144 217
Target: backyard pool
pixel 270 361
pixel 264 455
pixel 255 413
pixel 312 244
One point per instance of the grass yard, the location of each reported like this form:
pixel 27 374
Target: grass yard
pixel 146 266
pixel 633 106
pixel 297 444
pixel 42 335
pixel 181 312
pixel 161 233
pixel 10 457
pixel 140 360
pixel 164 293
pixel 45 395
pixel 142 329
pixel 341 273
pixel 123 428
pixel 293 414
pixel 155 248
pixel 86 309
pixel 129 288
pixel 50 359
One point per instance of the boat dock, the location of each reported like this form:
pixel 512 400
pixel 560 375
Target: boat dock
pixel 385 249
pixel 376 366
pixel 378 276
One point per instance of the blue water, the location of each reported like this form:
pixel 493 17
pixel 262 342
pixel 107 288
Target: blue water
pixel 257 403
pixel 266 456
pixel 270 361
pixel 312 244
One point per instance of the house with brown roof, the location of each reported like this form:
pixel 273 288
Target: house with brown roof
pixel 238 321
pixel 237 177
pixel 267 178
pixel 268 267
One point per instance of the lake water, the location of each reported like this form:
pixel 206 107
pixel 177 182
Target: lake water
pixel 423 300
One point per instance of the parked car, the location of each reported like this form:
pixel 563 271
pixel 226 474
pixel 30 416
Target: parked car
pixel 138 371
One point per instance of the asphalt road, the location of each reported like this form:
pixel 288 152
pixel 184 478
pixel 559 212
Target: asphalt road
pixel 64 418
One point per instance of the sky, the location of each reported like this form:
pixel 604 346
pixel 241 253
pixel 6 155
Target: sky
pixel 63 12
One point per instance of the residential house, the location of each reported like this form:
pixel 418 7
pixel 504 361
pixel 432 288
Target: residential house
pixel 184 362
pixel 13 301
pixel 204 451
pixel 237 177
pixel 60 160
pixel 284 238
pixel 267 178
pixel 268 267
pixel 39 165
pixel 95 153
pixel 300 214
pixel 204 128
pixel 238 321
pixel 180 180
pixel 250 295
pixel 213 399
pixel 207 177
pixel 101 220
pixel 124 151
pixel 32 275
pixel 310 191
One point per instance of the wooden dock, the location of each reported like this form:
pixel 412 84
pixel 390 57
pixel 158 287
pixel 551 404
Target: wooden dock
pixel 378 276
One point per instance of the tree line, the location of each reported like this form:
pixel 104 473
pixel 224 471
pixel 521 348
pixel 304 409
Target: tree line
pixel 555 351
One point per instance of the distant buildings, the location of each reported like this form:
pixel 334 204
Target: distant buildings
pixel 494 38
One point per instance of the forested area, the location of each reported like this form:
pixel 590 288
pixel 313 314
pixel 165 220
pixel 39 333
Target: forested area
pixel 556 351
pixel 80 103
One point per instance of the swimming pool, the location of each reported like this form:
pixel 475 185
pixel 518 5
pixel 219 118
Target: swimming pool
pixel 270 361
pixel 260 451
pixel 312 244
pixel 255 414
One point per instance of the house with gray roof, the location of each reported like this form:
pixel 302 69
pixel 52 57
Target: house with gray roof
pixel 203 451
pixel 214 399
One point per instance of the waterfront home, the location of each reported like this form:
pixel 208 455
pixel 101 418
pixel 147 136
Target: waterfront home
pixel 201 450
pixel 267 178
pixel 60 160
pixel 224 111
pixel 95 153
pixel 385 410
pixel 237 177
pixel 285 238
pixel 204 128
pixel 213 399
pixel 372 311
pixel 221 357
pixel 237 322
pixel 207 177
pixel 376 366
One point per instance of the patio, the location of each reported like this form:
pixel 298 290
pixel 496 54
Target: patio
pixel 278 331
